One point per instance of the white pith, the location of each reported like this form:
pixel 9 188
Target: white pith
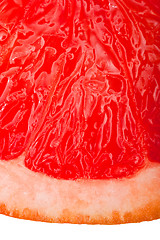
pixel 20 189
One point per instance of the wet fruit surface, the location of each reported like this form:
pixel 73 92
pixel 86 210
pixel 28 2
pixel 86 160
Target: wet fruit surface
pixel 79 86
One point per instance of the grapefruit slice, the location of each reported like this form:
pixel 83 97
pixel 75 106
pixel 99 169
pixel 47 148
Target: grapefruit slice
pixel 79 110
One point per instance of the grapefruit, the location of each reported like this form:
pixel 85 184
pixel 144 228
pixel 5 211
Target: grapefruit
pixel 79 110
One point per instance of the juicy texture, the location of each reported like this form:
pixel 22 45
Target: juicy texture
pixel 80 86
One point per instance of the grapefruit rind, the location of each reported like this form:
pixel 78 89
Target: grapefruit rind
pixel 35 196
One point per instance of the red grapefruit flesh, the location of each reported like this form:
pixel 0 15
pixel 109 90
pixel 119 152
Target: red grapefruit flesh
pixel 79 101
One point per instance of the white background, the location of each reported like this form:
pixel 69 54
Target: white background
pixel 18 229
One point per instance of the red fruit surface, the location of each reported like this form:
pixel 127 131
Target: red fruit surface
pixel 79 86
